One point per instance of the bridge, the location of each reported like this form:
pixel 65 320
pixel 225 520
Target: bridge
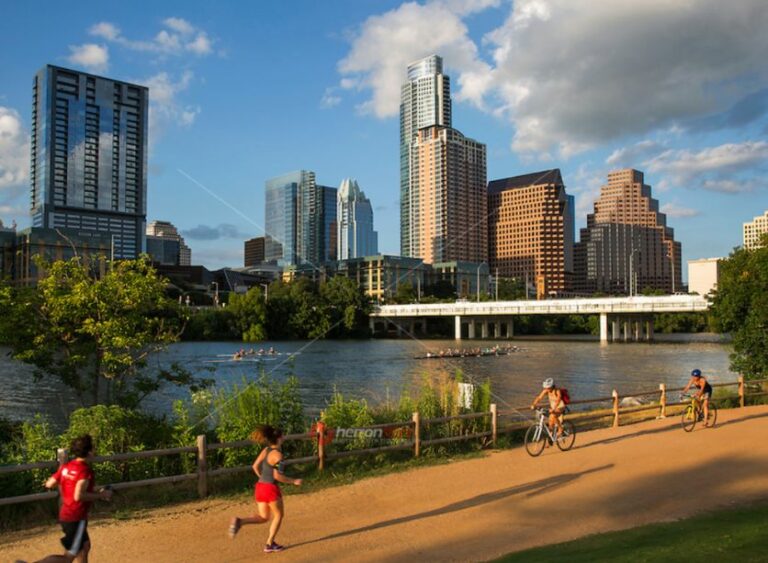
pixel 621 318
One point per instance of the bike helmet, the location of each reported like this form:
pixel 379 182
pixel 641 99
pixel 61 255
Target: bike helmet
pixel 548 383
pixel 696 373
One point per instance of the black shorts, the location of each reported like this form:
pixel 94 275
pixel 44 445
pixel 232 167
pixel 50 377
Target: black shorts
pixel 75 536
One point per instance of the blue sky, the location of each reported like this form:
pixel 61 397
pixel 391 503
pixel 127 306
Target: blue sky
pixel 245 91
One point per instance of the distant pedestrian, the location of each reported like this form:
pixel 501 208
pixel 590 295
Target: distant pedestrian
pixel 269 500
pixel 75 480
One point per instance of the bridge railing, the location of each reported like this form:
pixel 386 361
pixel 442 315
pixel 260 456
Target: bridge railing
pixel 410 435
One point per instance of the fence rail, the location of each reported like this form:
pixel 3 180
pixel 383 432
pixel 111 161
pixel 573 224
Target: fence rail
pixel 321 437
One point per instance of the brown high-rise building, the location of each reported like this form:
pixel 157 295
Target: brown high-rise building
pixel 627 246
pixel 448 202
pixel 531 230
pixel 254 252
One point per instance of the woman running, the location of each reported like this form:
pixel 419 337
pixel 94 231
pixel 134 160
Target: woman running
pixel 269 501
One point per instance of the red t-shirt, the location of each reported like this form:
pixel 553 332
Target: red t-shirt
pixel 68 475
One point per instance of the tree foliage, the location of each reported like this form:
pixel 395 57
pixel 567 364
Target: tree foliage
pixel 95 333
pixel 741 308
pixel 250 314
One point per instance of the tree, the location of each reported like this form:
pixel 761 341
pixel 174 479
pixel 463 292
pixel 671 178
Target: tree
pixel 741 308
pixel 405 293
pixel 346 306
pixel 511 289
pixel 250 314
pixel 96 333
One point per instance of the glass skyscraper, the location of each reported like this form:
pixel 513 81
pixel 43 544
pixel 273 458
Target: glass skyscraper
pixel 425 101
pixel 300 220
pixel 89 156
pixel 356 237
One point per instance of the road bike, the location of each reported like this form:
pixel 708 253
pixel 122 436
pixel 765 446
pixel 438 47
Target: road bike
pixel 694 413
pixel 539 434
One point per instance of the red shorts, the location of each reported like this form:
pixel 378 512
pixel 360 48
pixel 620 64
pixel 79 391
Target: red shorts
pixel 267 492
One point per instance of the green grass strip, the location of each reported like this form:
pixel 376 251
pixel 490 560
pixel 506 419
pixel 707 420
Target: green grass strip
pixel 738 535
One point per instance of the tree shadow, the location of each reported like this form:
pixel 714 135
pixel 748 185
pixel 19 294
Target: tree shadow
pixel 530 489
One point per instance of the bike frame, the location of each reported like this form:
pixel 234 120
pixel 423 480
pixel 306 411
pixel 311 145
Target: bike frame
pixel 542 425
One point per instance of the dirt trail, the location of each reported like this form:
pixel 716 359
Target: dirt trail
pixel 469 510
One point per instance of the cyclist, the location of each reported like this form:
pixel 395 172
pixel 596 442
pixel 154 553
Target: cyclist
pixel 556 405
pixel 704 391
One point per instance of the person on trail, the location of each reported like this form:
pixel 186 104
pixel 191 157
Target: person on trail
pixel 704 391
pixel 269 500
pixel 75 481
pixel 556 405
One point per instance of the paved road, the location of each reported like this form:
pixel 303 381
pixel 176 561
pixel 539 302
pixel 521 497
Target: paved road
pixel 468 510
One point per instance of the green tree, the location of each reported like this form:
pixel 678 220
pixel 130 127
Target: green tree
pixel 96 333
pixel 511 289
pixel 346 306
pixel 741 308
pixel 405 293
pixel 250 314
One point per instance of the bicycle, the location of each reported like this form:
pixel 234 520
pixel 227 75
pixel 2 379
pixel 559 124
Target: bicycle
pixel 694 413
pixel 539 433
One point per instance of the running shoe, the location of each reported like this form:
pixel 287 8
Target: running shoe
pixel 273 547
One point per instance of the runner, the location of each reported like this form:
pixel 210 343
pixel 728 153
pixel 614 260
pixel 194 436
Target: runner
pixel 704 394
pixel 556 404
pixel 269 500
pixel 75 480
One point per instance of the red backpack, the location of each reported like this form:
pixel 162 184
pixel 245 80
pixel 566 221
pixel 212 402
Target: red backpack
pixel 565 396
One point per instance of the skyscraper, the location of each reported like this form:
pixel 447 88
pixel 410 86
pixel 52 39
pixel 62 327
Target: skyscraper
pixel 166 246
pixel 253 252
pixel 356 237
pixel 300 220
pixel 89 156
pixel 627 245
pixel 754 230
pixel 425 100
pixel 531 230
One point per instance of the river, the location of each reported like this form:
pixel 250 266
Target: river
pixel 377 369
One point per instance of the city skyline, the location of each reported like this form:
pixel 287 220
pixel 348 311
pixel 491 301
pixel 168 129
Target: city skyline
pixel 704 154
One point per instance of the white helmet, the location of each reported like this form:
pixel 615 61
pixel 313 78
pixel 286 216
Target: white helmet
pixel 548 383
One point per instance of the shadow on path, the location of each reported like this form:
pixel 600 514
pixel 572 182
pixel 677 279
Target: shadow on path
pixel 533 488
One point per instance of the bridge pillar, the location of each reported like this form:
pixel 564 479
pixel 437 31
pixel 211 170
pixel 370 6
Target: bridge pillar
pixel 638 329
pixel 626 329
pixel 510 328
pixel 457 327
pixel 484 330
pixel 649 330
pixel 497 330
pixel 603 327
pixel 615 330
pixel 471 334
pixel 372 325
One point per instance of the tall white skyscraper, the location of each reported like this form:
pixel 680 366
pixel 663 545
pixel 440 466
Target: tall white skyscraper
pixel 425 101
pixel 354 213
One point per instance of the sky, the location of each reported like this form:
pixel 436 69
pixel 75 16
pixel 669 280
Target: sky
pixel 244 91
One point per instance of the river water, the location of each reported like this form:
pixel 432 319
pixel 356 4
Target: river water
pixel 379 369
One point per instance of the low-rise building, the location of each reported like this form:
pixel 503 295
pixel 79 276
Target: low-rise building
pixel 703 275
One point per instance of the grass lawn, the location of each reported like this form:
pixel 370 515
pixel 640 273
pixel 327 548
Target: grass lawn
pixel 727 535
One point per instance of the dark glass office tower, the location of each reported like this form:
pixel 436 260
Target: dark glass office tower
pixel 89 156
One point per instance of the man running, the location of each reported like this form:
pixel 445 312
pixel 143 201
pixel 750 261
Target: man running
pixel 75 480
pixel 704 391
pixel 556 405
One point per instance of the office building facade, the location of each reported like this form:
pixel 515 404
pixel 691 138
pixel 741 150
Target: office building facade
pixel 754 230
pixel 531 230
pixel 89 156
pixel 166 246
pixel 704 275
pixel 356 237
pixel 253 252
pixel 627 246
pixel 425 101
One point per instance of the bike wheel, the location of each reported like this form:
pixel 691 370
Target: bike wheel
pixel 689 418
pixel 533 446
pixel 567 436
pixel 712 415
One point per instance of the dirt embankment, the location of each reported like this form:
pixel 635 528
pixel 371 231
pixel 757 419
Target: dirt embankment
pixel 469 510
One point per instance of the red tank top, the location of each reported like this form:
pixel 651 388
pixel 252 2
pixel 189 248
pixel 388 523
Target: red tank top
pixel 68 476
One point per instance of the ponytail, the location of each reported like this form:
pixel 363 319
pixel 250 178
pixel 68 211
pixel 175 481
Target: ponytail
pixel 266 434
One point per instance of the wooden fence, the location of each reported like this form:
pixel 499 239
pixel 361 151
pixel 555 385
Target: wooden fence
pixel 612 409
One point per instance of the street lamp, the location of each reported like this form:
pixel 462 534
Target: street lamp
pixel 478 279
pixel 216 294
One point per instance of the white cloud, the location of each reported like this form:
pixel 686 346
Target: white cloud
pixel 330 98
pixel 14 150
pixel 178 37
pixel 466 7
pixel 727 168
pixel 91 56
pixel 165 106
pixel 630 157
pixel 386 43
pixel 677 211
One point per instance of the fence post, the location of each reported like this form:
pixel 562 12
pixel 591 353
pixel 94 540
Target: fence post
pixel 663 400
pixel 494 424
pixel 615 395
pixel 320 430
pixel 741 391
pixel 202 466
pixel 416 435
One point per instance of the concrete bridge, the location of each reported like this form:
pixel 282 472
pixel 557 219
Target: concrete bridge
pixel 621 318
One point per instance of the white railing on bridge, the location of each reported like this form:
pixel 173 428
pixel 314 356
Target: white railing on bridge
pixel 585 306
